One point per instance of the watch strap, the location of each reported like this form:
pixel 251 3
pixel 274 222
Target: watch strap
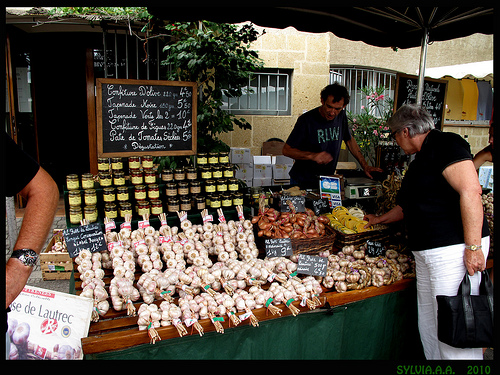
pixel 27 256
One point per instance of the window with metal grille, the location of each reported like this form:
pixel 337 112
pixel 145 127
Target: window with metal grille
pixel 354 79
pixel 267 93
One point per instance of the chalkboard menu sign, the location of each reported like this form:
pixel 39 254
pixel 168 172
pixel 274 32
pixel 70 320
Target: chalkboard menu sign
pixel 88 237
pixel 433 97
pixel 312 265
pixel 278 247
pixel 145 117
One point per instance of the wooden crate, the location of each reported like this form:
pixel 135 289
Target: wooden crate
pixel 55 266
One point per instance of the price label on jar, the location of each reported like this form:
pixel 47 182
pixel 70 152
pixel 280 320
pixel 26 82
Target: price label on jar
pixel 278 247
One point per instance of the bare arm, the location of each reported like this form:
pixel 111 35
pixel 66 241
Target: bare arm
pixel 481 157
pixel 43 196
pixel 395 214
pixel 319 157
pixel 462 177
pixel 354 149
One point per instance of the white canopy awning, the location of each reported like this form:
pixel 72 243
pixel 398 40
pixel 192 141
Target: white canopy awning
pixel 480 70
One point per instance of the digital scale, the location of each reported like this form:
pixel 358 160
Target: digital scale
pixel 361 188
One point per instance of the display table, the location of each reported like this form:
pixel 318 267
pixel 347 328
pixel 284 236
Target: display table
pixel 372 323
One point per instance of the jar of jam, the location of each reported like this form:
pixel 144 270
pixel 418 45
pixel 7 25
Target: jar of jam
pixel 213 158
pixel 173 204
pixel 134 162
pixel 205 173
pixel 125 208
pixel 153 191
pixel 122 194
pixel 232 184
pixel 140 192
pixel 179 174
pixel 87 181
pixel 226 200
pixel 72 182
pixel 147 162
pixel 136 177
pixel 90 197
pixel 223 157
pixel 228 171
pixel 215 201
pixel 143 208
pixel 210 186
pixel 183 188
pixel 199 202
pixel 216 171
pixel 221 185
pixel 149 176
pixel 167 175
pixel 105 179
pixel 171 189
pixel 116 164
pixel 238 199
pixel 119 178
pixel 156 207
pixel 108 195
pixel 202 158
pixel 90 213
pixel 195 187
pixel 191 173
pixel 75 215
pixel 185 203
pixel 74 198
pixel 110 210
pixel 103 164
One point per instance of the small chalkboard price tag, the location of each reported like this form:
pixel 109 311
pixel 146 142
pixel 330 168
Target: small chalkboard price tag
pixel 299 202
pixel 84 237
pixel 320 206
pixel 278 247
pixel 374 248
pixel 312 265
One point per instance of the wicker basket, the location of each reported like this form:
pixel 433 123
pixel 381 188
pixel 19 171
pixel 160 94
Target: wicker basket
pixel 343 239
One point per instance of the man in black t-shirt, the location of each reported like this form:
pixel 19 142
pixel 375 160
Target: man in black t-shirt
pixel 316 139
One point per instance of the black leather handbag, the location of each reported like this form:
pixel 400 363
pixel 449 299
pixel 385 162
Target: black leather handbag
pixel 466 321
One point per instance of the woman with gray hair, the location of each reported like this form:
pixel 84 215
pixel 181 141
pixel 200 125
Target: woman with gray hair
pixel 440 202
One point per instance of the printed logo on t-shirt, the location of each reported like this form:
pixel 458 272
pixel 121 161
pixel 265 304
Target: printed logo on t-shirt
pixel 328 134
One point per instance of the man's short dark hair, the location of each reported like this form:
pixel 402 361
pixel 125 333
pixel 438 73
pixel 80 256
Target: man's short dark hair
pixel 337 91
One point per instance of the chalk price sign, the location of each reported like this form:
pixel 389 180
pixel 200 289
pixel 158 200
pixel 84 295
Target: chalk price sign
pixel 145 117
pixel 278 247
pixel 312 265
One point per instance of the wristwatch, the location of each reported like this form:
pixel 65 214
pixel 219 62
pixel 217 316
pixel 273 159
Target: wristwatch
pixel 473 247
pixel 27 256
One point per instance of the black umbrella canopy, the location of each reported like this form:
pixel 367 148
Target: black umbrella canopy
pixel 401 27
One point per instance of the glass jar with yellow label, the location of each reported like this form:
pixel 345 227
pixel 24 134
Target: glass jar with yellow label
pixel 110 210
pixel 210 186
pixel 122 194
pixel 140 192
pixel 223 157
pixel 149 176
pixel 202 158
pixel 116 164
pixel 136 177
pixel 87 181
pixel 90 213
pixel 216 171
pixel 227 200
pixel 108 194
pixel 74 198
pixel 215 201
pixel 173 204
pixel 205 172
pixel 105 179
pixel 103 164
pixel 143 207
pixel 72 182
pixel 238 199
pixel 125 208
pixel 134 162
pixel 228 171
pixel 90 197
pixel 75 215
pixel 213 158
pixel 156 207
pixel 153 191
pixel 119 178
pixel 147 162
pixel 221 185
pixel 232 184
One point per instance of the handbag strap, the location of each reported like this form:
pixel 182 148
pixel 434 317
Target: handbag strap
pixel 486 288
pixel 467 307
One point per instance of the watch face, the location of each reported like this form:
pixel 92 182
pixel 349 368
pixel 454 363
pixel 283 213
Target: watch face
pixel 27 256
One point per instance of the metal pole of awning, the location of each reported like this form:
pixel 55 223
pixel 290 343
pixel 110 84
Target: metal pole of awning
pixel 421 70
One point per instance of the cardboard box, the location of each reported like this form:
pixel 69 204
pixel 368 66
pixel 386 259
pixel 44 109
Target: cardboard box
pixel 282 159
pixel 263 171
pixel 272 148
pixel 240 155
pixel 281 171
pixel 244 171
pixel 262 181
